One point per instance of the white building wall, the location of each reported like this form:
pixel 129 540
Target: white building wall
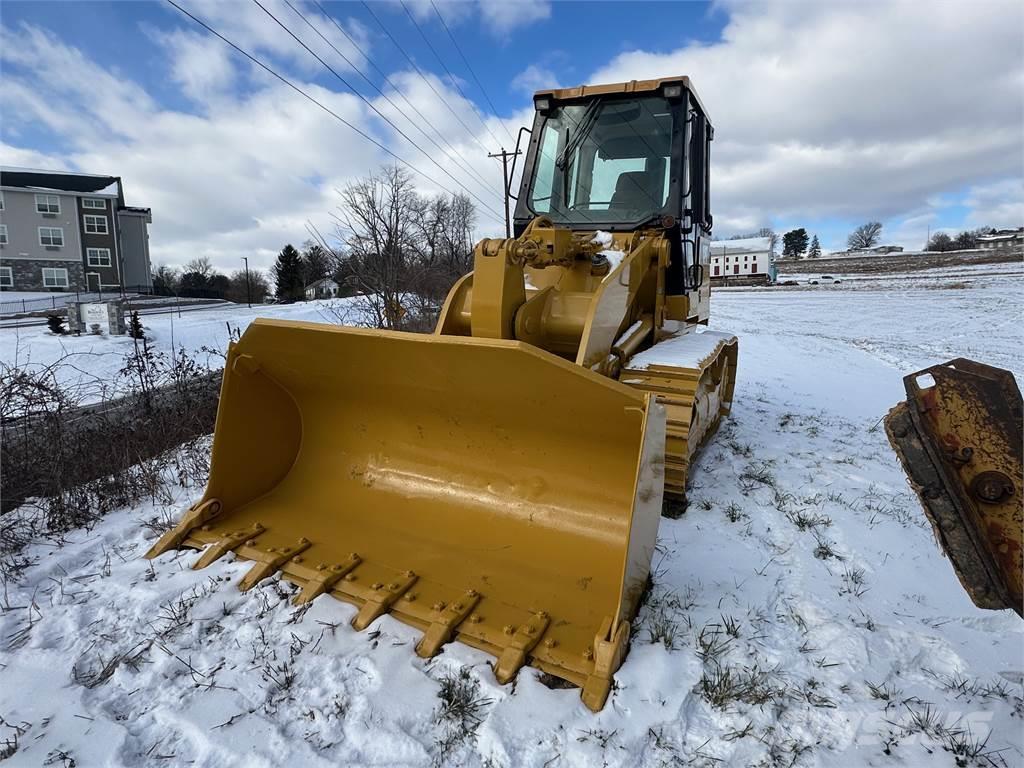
pixel 741 258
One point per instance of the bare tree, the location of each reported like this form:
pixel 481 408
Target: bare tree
pixel 200 265
pixel 165 280
pixel 376 225
pixel 401 251
pixel 865 236
pixel 445 242
pixel 253 287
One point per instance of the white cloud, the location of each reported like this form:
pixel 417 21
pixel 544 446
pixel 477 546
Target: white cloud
pixel 534 78
pixel 856 109
pixel 999 205
pixel 240 179
pixel 30 158
pixel 254 30
pixel 200 64
pixel 502 16
pixel 499 17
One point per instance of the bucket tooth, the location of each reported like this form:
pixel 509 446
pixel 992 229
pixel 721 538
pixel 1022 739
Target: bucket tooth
pixel 382 597
pixel 446 619
pixel 193 518
pixel 326 577
pixel 523 640
pixel 268 561
pixel 221 547
pixel 609 652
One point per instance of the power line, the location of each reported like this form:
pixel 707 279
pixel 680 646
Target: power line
pixel 368 103
pixel 445 68
pixel 649 195
pixel 465 61
pixel 423 77
pixel 301 92
pixel 466 165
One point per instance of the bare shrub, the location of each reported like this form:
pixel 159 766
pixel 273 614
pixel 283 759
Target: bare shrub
pixel 78 462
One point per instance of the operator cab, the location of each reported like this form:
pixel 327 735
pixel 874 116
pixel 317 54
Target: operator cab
pixel 620 158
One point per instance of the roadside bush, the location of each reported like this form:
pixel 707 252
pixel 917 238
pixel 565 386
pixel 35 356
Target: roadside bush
pixel 135 329
pixel 77 462
pixel 56 325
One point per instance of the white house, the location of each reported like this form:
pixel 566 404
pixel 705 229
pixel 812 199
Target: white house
pixel 324 288
pixel 751 257
pixel 1003 239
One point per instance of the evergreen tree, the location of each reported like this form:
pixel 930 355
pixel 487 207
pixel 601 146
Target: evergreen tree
pixel 135 329
pixel 315 263
pixel 288 274
pixel 815 250
pixel 56 324
pixel 794 243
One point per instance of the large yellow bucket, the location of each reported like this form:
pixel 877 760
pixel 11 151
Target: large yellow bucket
pixel 480 490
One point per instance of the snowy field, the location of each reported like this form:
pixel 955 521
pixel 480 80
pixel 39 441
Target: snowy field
pixel 89 365
pixel 801 613
pixel 939 276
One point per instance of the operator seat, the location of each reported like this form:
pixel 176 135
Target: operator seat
pixel 638 191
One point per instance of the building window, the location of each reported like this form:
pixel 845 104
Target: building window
pixel 55 278
pixel 753 267
pixel 95 225
pixel 1 201
pixel 51 237
pixel 98 257
pixel 47 204
pixel 94 202
pixel 716 270
pixel 6 277
pixel 3 234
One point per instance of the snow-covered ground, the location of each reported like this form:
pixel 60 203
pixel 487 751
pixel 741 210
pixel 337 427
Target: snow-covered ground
pixel 89 365
pixel 883 280
pixel 801 613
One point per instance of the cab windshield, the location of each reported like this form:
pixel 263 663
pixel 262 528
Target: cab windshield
pixel 603 161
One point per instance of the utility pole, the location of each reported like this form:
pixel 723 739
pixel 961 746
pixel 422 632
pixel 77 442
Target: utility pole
pixel 248 292
pixel 504 172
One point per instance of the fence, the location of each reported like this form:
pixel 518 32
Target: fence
pixel 59 300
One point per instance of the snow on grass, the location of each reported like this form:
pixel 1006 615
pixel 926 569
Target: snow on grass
pixel 90 364
pixel 884 279
pixel 800 612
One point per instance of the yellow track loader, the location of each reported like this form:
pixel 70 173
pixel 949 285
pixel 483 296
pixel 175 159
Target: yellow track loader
pixel 500 481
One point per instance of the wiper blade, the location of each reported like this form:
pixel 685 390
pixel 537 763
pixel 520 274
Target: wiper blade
pixel 582 131
pixel 564 160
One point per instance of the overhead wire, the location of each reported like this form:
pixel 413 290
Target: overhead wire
pixel 370 104
pixel 269 70
pixel 423 77
pixel 464 165
pixel 444 66
pixel 472 73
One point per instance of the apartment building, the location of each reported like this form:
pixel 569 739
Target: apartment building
pixel 70 232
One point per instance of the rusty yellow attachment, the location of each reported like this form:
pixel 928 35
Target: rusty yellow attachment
pixel 480 490
pixel 959 436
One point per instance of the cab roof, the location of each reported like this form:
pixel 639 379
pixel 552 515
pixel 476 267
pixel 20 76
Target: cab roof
pixel 631 86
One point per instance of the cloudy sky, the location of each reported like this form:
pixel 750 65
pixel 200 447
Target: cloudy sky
pixel 826 114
